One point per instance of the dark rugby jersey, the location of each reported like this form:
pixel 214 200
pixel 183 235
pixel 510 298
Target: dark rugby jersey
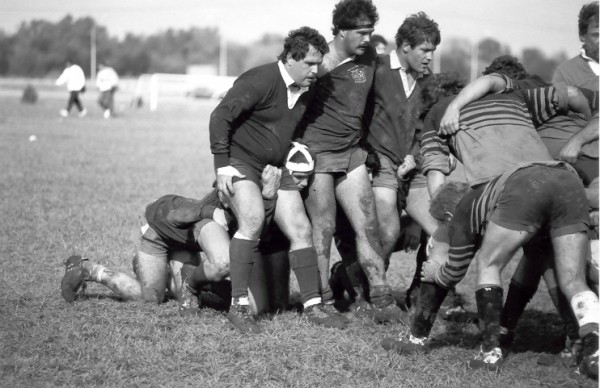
pixel 390 116
pixel 174 217
pixel 253 122
pixel 333 121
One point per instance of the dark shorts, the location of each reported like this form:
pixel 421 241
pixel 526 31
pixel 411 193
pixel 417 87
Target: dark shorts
pixel 253 174
pixel 340 161
pixel 386 175
pixel 541 197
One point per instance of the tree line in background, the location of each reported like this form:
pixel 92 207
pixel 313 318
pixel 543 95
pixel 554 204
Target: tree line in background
pixel 40 48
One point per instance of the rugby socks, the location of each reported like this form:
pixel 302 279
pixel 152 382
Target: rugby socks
pixel 563 307
pixel 430 299
pixel 96 271
pixel 489 307
pixel 305 266
pixel 517 299
pixel 198 278
pixel 587 313
pixel 242 254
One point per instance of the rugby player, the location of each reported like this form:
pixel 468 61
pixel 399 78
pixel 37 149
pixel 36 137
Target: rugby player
pixel 251 127
pixel 331 128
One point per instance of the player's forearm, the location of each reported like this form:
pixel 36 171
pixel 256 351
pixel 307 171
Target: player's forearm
pixel 578 102
pixel 477 89
pixel 588 133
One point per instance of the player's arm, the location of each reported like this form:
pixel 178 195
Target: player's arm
pixel 271 180
pixel 436 154
pixel 572 149
pixel 491 83
pixel 239 100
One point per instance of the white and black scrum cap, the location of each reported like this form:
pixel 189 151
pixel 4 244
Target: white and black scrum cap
pixel 298 164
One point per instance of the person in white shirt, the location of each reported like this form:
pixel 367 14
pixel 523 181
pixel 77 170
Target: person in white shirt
pixel 107 82
pixel 74 78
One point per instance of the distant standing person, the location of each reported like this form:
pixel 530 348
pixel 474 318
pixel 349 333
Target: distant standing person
pixel 107 82
pixel 74 78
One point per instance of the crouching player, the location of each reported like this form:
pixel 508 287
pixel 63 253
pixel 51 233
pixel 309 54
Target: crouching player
pixel 536 203
pixel 177 230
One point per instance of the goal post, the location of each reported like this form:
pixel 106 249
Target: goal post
pixel 159 87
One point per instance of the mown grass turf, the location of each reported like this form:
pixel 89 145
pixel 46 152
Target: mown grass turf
pixel 82 186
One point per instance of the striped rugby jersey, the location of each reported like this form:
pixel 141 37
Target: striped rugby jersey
pixel 496 132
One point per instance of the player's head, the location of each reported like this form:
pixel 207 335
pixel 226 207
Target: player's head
pixel 438 86
pixel 303 51
pixel 588 29
pixel 507 65
pixel 300 163
pixel 354 22
pixel 445 199
pixel 416 29
pixel 379 43
pixel 416 40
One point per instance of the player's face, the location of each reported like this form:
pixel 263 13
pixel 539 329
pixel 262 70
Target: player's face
pixel 300 179
pixel 357 41
pixel 590 41
pixel 419 57
pixel 304 71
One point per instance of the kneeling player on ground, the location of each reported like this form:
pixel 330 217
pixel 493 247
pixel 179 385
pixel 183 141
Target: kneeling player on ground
pixel 177 230
pixel 538 203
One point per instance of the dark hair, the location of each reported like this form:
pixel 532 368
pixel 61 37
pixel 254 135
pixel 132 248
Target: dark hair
pixel 375 39
pixel 507 65
pixel 297 42
pixel 446 198
pixel 347 12
pixel 587 15
pixel 438 86
pixel 416 29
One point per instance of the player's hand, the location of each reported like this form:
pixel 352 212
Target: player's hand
pixel 219 218
pixel 450 121
pixel 271 179
pixel 570 151
pixel 225 179
pixel 407 166
pixel 428 271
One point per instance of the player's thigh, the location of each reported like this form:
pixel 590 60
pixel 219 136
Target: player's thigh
pixel 417 206
pixel 386 205
pixel 153 275
pixel 500 244
pixel 247 204
pixel 356 198
pixel 291 217
pixel 320 200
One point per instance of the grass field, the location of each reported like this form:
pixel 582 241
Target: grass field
pixel 81 187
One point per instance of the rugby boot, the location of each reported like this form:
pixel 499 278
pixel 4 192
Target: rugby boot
pixel 491 360
pixel 384 307
pixel 407 345
pixel 320 315
pixel 72 284
pixel 589 363
pixel 241 317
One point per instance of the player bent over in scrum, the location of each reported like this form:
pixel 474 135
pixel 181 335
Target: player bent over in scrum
pixel 535 203
pixel 177 230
